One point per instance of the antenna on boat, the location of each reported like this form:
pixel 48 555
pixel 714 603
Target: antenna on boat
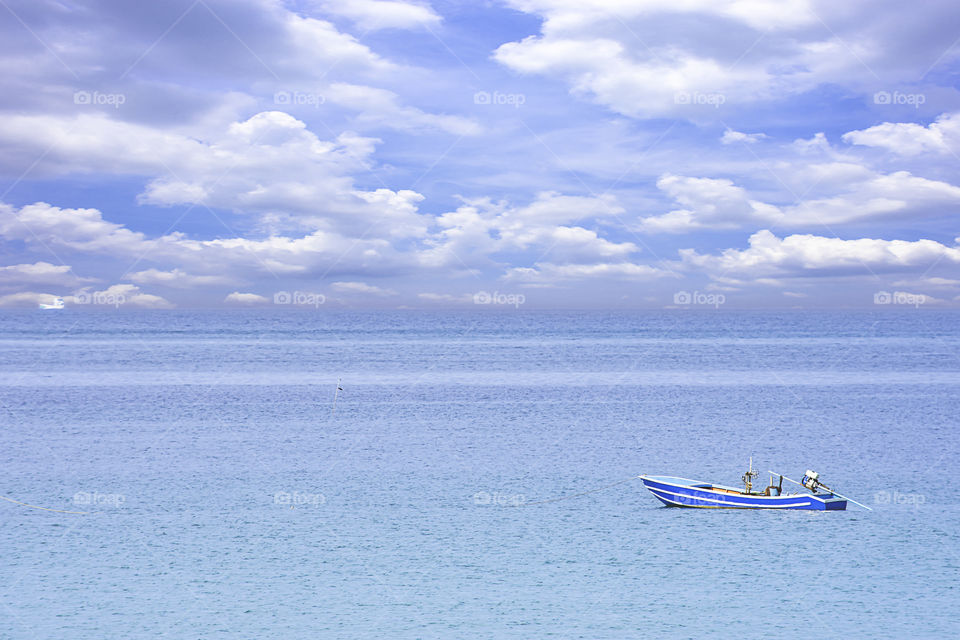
pixel 335 395
pixel 749 476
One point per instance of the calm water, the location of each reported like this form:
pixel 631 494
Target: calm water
pixel 227 499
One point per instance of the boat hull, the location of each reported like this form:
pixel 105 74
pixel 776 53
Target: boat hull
pixel 683 492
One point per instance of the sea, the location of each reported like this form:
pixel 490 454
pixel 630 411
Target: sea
pixel 312 473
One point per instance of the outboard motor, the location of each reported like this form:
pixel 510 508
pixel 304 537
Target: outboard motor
pixel 811 480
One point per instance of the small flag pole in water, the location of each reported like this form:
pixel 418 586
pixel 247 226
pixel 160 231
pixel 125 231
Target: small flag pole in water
pixel 335 394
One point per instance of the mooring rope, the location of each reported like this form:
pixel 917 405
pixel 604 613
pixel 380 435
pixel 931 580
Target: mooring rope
pixel 33 506
pixel 577 495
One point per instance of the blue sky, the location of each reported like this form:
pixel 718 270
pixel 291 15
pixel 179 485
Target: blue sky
pixel 559 154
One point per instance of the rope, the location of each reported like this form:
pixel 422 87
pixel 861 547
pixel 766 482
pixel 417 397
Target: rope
pixel 577 495
pixel 32 506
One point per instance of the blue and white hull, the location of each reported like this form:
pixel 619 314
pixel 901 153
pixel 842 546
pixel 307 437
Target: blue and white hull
pixel 682 492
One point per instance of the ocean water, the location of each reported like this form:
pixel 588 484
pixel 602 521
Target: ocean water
pixel 225 498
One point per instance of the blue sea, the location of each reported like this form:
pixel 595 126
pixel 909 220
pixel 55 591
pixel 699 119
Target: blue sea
pixel 225 488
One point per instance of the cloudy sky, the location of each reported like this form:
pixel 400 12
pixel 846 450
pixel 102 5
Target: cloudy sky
pixel 566 154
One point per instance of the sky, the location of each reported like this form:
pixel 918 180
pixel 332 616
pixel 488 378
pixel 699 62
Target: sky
pixel 508 154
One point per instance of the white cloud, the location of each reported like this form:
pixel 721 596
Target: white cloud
pixel 547 273
pixel 384 14
pixel 25 299
pixel 468 237
pixel 380 107
pixel 318 44
pixel 667 58
pixel 127 295
pixel 462 298
pixel 481 228
pixel 911 139
pixel 936 282
pixel 361 287
pixel 809 255
pixel 178 278
pixel 246 298
pixel 818 144
pixel 265 165
pixel 863 195
pixel 39 273
pixel 79 229
pixel 605 69
pixel 730 137
pixel 41 225
pixel 706 202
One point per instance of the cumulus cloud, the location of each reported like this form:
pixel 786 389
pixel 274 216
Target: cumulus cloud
pixel 663 58
pixel 706 202
pixel 178 278
pixel 379 107
pixel 245 298
pixel 78 229
pixel 480 228
pixel 470 237
pixel 26 299
pixel 810 255
pixel 265 165
pixel 384 14
pixel 126 295
pixel 843 193
pixel 462 298
pixel 39 273
pixel 927 282
pixel 547 273
pixel 911 139
pixel 41 225
pixel 211 48
pixel 361 287
pixel 730 137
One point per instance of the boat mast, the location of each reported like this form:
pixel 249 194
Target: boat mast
pixel 749 476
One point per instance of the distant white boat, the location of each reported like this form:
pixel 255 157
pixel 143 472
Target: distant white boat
pixel 57 304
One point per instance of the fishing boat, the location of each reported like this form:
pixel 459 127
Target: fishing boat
pixel 683 492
